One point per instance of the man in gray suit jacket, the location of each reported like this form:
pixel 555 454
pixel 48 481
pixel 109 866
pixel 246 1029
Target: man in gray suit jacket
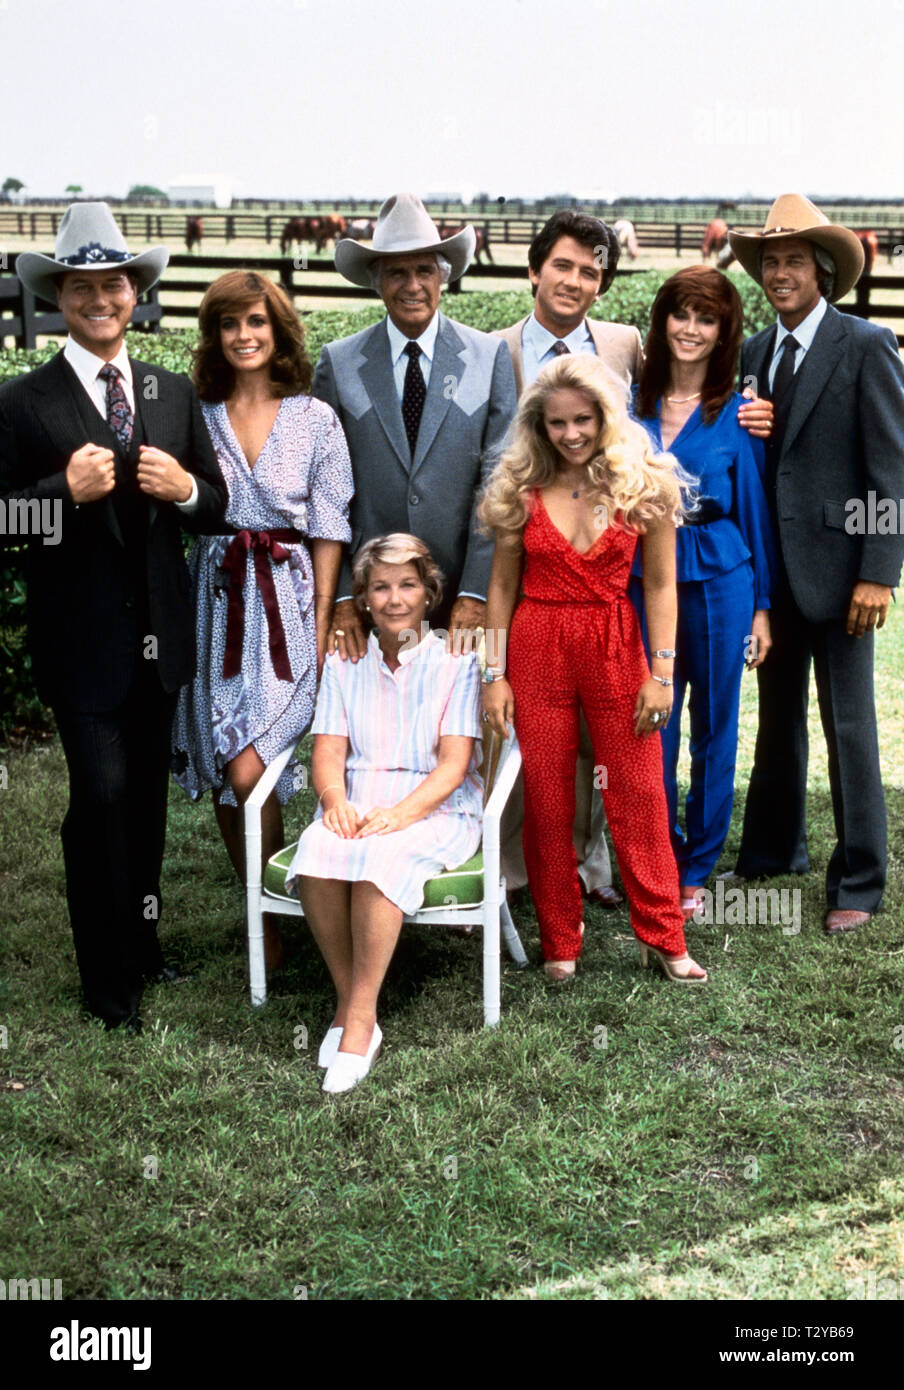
pixel 837 384
pixel 424 402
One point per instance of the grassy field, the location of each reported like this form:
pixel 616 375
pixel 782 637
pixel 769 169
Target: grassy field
pixel 616 1139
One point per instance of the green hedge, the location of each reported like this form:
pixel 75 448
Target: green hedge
pixel 628 301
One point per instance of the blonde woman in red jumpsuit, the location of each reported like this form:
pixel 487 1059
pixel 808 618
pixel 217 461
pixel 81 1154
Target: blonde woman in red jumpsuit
pixel 568 502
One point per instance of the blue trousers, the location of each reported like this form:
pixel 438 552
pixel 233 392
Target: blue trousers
pixel 714 617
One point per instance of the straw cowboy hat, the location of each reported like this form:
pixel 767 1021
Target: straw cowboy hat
pixel 792 215
pixel 404 224
pixel 88 239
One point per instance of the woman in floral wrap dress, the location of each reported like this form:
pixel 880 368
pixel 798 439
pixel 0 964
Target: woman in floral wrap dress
pixel 264 593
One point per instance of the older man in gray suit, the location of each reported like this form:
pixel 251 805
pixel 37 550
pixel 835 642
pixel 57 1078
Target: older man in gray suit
pixel 423 402
pixel 837 384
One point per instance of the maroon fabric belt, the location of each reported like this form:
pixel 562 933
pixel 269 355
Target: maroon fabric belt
pixel 265 546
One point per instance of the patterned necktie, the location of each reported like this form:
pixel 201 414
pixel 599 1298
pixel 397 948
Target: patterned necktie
pixel 119 416
pixel 559 348
pixel 414 394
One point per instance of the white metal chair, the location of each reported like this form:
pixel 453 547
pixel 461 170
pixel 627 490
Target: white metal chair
pixel 478 882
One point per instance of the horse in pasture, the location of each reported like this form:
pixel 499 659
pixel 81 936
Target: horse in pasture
pixel 627 237
pixel 362 229
pixel 870 243
pixel 715 238
pixel 481 240
pixel 194 231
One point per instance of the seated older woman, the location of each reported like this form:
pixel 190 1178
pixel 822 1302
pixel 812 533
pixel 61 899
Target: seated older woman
pixel 399 799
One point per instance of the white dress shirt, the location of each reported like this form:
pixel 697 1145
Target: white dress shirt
pixel 804 334
pixel 397 345
pixel 87 366
pixel 537 346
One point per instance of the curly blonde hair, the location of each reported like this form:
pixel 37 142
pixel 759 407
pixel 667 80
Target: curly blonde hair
pixel 626 475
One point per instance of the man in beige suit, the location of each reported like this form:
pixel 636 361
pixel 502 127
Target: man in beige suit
pixel 572 261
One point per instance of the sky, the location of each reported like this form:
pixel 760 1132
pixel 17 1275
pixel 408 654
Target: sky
pixel 319 98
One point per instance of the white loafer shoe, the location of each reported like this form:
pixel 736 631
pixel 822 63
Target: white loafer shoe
pixel 350 1067
pixel 329 1047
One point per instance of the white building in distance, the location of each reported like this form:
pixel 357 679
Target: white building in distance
pixel 201 190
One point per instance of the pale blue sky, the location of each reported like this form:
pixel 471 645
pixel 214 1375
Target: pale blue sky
pixel 293 98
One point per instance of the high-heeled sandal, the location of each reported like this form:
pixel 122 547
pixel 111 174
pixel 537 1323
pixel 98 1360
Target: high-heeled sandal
pixel 559 970
pixel 669 962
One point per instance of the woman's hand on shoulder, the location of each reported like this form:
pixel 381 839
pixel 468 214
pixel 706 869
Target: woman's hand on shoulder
pixel 498 705
pixel 343 819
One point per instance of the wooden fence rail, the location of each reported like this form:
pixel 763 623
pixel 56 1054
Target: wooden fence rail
pixel 169 227
pixel 24 319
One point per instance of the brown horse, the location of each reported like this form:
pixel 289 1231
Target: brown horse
pixel 194 231
pixel 715 238
pixel 870 243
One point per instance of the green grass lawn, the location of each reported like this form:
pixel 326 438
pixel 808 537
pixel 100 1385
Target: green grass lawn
pixel 619 1138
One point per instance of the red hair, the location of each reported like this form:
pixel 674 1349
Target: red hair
pixel 706 291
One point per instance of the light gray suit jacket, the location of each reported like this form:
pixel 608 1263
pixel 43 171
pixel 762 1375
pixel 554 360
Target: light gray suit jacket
pixel 844 439
pixel 617 344
pixel 469 406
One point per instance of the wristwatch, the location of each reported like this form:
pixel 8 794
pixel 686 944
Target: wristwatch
pixel 490 674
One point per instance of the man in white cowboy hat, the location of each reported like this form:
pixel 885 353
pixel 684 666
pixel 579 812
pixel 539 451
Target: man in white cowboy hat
pixel 837 385
pixel 120 449
pixel 423 402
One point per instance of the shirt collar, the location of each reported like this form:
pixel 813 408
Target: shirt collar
pixel 542 340
pixel 805 331
pixel 407 654
pixel 426 342
pixel 86 365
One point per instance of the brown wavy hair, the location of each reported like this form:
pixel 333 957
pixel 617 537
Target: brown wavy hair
pixel 291 373
pixel 706 291
pixel 634 484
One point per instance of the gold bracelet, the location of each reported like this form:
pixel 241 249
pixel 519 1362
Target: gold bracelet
pixel 329 789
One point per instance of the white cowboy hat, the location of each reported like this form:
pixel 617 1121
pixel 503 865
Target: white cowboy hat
pixel 404 224
pixel 793 215
pixel 88 239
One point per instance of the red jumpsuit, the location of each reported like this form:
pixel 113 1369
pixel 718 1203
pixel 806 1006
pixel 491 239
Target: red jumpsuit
pixel 575 642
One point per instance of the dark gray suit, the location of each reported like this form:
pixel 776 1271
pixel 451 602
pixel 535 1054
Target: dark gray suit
pixel 469 405
pixel 842 439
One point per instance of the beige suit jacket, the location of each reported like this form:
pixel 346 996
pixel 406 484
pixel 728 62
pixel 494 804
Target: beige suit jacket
pixel 618 345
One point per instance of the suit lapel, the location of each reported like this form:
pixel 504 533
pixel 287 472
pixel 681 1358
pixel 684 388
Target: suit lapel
pixel 815 370
pixel 378 380
pixel 448 367
pixel 63 412
pixel 152 409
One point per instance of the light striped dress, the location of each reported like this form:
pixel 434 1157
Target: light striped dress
pixel 393 722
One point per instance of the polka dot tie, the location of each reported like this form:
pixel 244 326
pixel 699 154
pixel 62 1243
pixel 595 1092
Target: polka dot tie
pixel 119 416
pixel 559 348
pixel 414 393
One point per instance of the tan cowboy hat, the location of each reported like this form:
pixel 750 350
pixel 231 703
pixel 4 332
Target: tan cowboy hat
pixel 404 224
pixel 793 215
pixel 88 239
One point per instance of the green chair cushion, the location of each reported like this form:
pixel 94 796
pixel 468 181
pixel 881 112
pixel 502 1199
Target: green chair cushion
pixel 461 887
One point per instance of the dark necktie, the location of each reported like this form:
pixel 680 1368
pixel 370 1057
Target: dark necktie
pixel 414 393
pixel 784 373
pixel 119 416
pixel 559 348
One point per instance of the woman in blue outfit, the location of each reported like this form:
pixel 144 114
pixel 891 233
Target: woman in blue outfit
pixel 726 552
